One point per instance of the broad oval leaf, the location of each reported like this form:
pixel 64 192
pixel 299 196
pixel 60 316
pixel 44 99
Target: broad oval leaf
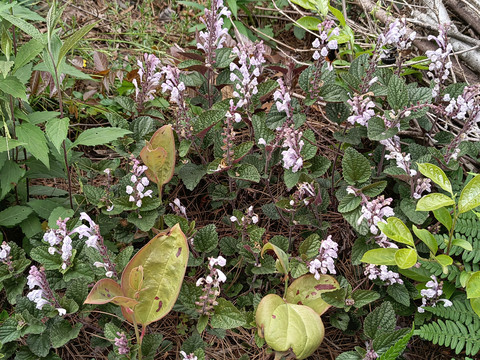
pixel 444 260
pixel 306 290
pixel 427 237
pixel 433 202
pixel 475 303
pixel 396 230
pixel 282 257
pixel 287 326
pixel 470 196
pixel 464 244
pixel 405 258
pixel 437 175
pixel 380 256
pixel 164 260
pixel 473 286
pixel 309 22
pixel 159 156
pixel 107 290
pixel 443 215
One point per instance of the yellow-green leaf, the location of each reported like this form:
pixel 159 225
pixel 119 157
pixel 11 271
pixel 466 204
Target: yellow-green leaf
pixel 475 302
pixel 159 155
pixel 306 290
pixel 287 326
pixel 444 260
pixel 282 257
pixel 470 196
pixel 380 256
pixel 107 290
pixel 437 175
pixel 164 260
pixel 473 286
pixel 433 202
pixel 396 230
pixel 463 244
pixel 427 237
pixel 405 258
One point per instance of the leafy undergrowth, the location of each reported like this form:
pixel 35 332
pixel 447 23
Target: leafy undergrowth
pixel 174 184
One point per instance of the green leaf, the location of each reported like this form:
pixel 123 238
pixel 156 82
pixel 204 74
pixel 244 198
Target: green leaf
pixel 34 141
pixel 245 172
pixel 282 257
pixel 364 297
pixel 99 136
pixel 62 332
pixel 470 196
pixel 349 203
pixel 108 290
pixel 395 350
pixel 464 244
pixel 475 303
pixel 191 174
pixel 22 25
pixel 14 215
pixel 397 94
pixel 309 247
pixel 433 202
pixel 437 175
pixel 57 213
pixel 306 4
pixel 164 260
pixel 399 293
pixel 356 167
pixel 405 258
pixel 376 129
pixel 309 22
pixel 444 260
pixel 10 176
pixel 206 120
pixel 145 220
pixel 408 206
pixel 380 256
pixel 206 239
pixel 427 237
pixel 307 290
pixel 226 316
pixel 336 298
pixel 57 130
pixel 287 326
pixel 73 39
pixel 380 320
pixel 374 189
pixel 396 230
pixel 13 86
pixel 443 215
pixel 9 331
pixel 7 144
pixel 39 344
pixel 27 53
pixel 473 286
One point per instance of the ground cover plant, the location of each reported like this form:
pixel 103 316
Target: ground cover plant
pixel 237 195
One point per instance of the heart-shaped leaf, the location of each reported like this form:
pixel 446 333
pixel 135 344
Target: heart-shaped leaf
pixel 107 290
pixel 306 290
pixel 288 326
pixel 164 261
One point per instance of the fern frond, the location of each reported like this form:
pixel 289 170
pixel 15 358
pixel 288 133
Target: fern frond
pixel 460 311
pixel 453 334
pixel 453 272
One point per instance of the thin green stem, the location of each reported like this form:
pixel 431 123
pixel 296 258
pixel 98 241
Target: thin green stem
pixel 137 335
pixel 452 229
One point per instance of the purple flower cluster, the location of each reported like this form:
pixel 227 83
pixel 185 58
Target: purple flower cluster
pixel 177 89
pixel 396 35
pixel 246 73
pixel 431 295
pixel 440 64
pixel 403 160
pixel 211 285
pixel 214 36
pixel 374 211
pixel 228 134
pixel 324 262
pixel 305 194
pixel 423 184
pixel 139 182
pixel 324 43
pixel 121 343
pixel 5 257
pixel 389 277
pixel 44 294
pixel 188 357
pixel 292 159
pixel 95 240
pixel 179 209
pixel 250 218
pixel 149 79
pixel 60 242
pixel 282 99
pixel 362 110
